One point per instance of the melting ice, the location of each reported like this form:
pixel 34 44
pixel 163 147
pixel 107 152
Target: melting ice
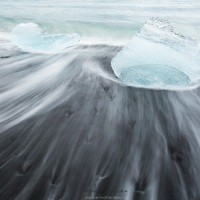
pixel 157 57
pixel 30 37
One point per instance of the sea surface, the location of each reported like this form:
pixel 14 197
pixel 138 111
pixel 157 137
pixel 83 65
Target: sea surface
pixel 111 19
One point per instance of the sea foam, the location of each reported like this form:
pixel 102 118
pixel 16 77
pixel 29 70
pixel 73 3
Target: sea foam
pixel 30 37
pixel 157 57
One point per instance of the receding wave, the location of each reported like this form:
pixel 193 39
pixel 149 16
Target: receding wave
pixel 71 128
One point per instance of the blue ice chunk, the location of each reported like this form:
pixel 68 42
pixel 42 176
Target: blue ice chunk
pixel 157 57
pixel 30 37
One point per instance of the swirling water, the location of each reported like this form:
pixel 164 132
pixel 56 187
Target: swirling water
pixel 71 130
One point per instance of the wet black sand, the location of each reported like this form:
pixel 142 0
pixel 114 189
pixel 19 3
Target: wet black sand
pixel 104 140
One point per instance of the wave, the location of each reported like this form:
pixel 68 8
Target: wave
pixel 41 81
pixel 66 118
pixel 69 126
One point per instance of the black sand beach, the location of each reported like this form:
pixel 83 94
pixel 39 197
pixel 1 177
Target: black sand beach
pixel 96 138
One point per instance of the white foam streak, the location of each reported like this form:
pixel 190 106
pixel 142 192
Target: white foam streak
pixel 32 93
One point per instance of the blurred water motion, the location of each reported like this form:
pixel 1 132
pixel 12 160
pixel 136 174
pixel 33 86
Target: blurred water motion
pixel 71 130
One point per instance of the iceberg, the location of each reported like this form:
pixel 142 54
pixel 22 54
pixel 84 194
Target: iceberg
pixel 157 57
pixel 30 37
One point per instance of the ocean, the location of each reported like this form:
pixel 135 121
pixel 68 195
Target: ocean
pixel 105 19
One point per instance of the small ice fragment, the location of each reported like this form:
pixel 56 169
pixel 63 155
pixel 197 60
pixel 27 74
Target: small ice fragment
pixel 30 37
